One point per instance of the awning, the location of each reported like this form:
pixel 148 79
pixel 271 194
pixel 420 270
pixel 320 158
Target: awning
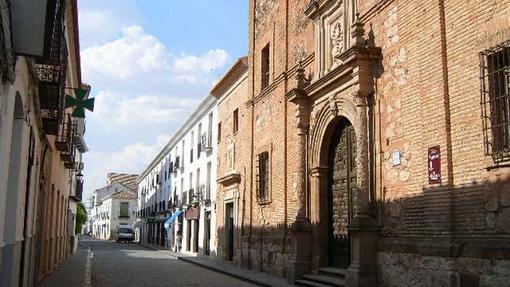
pixel 137 224
pixel 172 218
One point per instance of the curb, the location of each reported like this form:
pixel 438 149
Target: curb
pixel 213 268
pixel 223 271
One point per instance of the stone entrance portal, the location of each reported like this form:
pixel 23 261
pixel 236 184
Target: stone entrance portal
pixel 341 189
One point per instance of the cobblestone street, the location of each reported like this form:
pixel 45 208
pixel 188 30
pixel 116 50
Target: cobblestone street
pixel 114 264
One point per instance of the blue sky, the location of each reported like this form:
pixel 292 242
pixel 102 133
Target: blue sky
pixel 150 63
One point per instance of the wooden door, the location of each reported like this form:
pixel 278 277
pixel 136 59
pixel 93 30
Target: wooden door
pixel 342 188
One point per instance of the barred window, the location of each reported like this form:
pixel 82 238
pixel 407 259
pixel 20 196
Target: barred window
pixel 263 177
pixel 495 101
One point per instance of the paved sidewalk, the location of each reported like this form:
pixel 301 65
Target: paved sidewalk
pixel 225 267
pixel 74 272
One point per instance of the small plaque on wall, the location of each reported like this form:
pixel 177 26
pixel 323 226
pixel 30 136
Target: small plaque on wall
pixel 395 156
pixel 434 165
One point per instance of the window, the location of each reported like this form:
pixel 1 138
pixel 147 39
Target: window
pixel 209 129
pixel 235 121
pixel 191 148
pixel 265 67
pixel 191 191
pixel 199 140
pixel 208 182
pixel 197 182
pixel 219 132
pixel 495 100
pixel 182 191
pixel 263 177
pixel 182 155
pixel 124 209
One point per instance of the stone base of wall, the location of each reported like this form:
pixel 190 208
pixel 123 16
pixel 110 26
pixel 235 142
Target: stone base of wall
pixel 11 260
pixel 269 258
pixel 405 269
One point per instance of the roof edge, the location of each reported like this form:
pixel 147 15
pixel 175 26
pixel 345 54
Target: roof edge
pixel 234 73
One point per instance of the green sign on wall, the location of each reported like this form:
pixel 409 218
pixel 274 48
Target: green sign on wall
pixel 79 103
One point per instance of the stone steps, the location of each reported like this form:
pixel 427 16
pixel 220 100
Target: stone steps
pixel 326 277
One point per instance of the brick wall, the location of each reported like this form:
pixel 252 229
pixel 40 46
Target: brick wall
pixel 427 95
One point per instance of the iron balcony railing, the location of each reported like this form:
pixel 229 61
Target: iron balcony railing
pixel 204 195
pixel 64 139
pixel 50 72
pixel 68 156
pixel 205 143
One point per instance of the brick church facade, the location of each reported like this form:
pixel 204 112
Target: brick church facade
pixel 376 142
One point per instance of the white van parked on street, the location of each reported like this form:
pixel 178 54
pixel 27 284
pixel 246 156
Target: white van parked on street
pixel 125 233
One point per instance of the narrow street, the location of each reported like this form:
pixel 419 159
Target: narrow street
pixel 114 264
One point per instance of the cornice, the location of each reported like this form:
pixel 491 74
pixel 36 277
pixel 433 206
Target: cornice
pixel 230 179
pixel 283 76
pixel 317 7
pixel 350 59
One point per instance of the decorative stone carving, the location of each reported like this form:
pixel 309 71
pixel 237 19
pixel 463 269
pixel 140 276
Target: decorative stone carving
pixel 333 20
pixel 333 105
pixel 337 43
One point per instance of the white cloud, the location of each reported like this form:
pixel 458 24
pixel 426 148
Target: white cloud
pixel 194 69
pixel 118 109
pixel 101 21
pixel 129 159
pixel 139 56
pixel 125 57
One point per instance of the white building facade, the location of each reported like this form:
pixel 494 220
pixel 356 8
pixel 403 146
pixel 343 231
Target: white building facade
pixel 177 191
pixel 113 205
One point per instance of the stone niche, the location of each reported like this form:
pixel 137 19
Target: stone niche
pixel 333 20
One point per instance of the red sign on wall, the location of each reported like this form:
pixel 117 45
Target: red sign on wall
pixel 192 213
pixel 434 165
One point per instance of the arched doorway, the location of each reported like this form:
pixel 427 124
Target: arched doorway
pixel 342 185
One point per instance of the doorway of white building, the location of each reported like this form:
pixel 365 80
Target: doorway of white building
pixel 207 233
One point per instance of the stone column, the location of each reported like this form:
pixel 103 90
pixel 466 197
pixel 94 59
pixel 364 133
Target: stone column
pixel 362 158
pixel 319 214
pixel 364 230
pixel 299 264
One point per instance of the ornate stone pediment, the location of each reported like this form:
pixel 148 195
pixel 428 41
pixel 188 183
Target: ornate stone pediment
pixel 333 20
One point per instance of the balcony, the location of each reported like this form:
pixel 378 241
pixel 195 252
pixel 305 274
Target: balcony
pixel 204 195
pixel 205 143
pixel 191 196
pixel 64 142
pixel 77 197
pixel 50 73
pixel 177 165
pixel 184 198
pixel 123 215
